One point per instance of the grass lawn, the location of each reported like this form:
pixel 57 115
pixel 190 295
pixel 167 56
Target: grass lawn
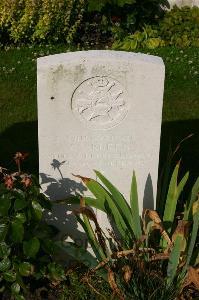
pixel 18 105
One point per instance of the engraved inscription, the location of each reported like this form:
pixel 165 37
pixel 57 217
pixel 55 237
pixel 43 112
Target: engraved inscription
pixel 100 102
pixel 99 151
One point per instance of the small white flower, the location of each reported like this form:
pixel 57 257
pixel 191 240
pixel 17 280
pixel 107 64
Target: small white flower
pixel 190 62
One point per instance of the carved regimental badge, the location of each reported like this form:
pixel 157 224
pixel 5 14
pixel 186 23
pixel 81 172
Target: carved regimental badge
pixel 100 102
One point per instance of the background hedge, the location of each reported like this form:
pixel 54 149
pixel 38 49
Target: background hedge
pixel 40 20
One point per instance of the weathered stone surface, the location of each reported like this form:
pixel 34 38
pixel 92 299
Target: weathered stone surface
pixel 181 3
pixel 99 110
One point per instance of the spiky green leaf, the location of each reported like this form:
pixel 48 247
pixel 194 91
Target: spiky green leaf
pixel 118 199
pixel 91 237
pixel 174 260
pixel 135 208
pixel 103 196
pixel 192 197
pixel 173 195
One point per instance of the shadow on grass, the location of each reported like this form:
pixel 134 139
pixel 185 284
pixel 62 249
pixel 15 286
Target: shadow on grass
pixel 172 134
pixel 23 137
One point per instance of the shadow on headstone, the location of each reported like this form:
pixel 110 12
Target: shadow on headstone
pixel 62 215
pixel 23 136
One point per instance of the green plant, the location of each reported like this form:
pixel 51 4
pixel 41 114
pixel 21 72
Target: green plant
pixel 108 20
pixel 41 20
pixel 179 27
pixel 132 14
pixel 144 257
pixel 148 38
pixel 26 241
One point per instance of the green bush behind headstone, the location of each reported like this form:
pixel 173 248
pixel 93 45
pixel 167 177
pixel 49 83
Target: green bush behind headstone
pixel 40 20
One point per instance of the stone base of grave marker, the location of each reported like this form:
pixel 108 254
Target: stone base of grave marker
pixel 98 110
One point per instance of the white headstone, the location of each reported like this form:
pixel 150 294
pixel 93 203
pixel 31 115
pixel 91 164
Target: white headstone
pixel 99 110
pixel 182 3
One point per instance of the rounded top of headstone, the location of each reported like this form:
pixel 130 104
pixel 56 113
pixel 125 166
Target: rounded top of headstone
pixel 98 55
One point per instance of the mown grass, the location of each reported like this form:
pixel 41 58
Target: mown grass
pixel 18 102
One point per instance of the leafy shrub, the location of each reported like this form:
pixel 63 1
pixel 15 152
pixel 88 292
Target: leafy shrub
pixel 26 241
pixel 40 20
pixel 179 27
pixel 140 258
pixel 110 20
pixel 148 38
pixel 113 19
pixel 132 14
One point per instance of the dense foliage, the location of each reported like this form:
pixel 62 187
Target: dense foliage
pixel 153 257
pixel 128 24
pixel 40 21
pixel 26 241
pixel 131 14
pixel 45 21
pixel 179 27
